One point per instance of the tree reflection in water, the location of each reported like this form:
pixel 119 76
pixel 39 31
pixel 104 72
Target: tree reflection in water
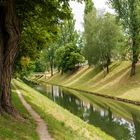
pixel 102 117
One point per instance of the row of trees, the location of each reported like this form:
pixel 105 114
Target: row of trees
pixel 46 28
pixel 26 27
pixel 63 54
pixel 109 37
pixel 128 12
pixel 104 40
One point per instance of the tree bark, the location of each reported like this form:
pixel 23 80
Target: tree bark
pixel 1 48
pixel 51 67
pixel 10 38
pixel 134 57
pixel 107 64
pixel 107 68
pixel 133 68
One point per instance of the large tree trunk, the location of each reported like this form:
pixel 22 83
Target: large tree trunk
pixel 1 49
pixel 10 37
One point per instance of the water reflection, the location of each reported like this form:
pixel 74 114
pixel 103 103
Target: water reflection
pixel 103 117
pixel 136 121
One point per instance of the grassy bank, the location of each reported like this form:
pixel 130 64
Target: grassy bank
pixel 13 129
pixel 62 124
pixel 117 83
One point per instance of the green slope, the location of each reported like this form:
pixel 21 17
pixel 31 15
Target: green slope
pixel 13 129
pixel 61 123
pixel 117 83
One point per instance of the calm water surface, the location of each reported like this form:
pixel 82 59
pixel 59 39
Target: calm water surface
pixel 120 120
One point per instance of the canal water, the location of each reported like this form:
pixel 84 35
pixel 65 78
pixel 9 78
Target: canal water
pixel 118 119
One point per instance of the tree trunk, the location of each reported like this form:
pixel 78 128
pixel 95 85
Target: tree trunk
pixel 133 68
pixel 107 68
pixel 1 50
pixel 51 66
pixel 10 37
pixel 107 64
pixel 134 57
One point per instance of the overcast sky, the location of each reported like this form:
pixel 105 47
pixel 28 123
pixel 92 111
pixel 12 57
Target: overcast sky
pixel 78 10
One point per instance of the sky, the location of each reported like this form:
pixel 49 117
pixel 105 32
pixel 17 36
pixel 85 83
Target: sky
pixel 78 11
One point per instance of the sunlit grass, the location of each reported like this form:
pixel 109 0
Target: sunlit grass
pixel 62 124
pixel 117 83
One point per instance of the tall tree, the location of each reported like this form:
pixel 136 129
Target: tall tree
pixel 68 57
pixel 102 36
pixel 49 55
pixel 68 54
pixel 15 16
pixel 106 39
pixel 9 38
pixel 89 12
pixel 128 13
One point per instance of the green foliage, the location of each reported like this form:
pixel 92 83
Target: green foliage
pixel 122 51
pixel 67 32
pixel 64 52
pixel 89 6
pixel 24 66
pixel 39 26
pixel 68 54
pixel 68 57
pixel 102 36
pixel 11 128
pixel 107 36
pixel 128 14
pixel 90 29
pixel 49 55
pixel 40 65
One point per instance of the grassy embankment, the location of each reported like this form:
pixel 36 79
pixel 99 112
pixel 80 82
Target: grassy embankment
pixel 117 83
pixel 13 129
pixel 62 124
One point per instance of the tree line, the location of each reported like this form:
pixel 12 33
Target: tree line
pixel 36 36
pixel 25 29
pixel 106 38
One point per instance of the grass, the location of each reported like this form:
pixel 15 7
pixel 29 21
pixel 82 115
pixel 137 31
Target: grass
pixel 13 129
pixel 117 83
pixel 61 123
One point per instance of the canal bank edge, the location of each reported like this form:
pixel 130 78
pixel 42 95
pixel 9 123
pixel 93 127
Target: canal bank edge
pixel 89 92
pixel 64 117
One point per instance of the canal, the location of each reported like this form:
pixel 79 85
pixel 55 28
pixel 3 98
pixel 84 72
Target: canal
pixel 118 119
